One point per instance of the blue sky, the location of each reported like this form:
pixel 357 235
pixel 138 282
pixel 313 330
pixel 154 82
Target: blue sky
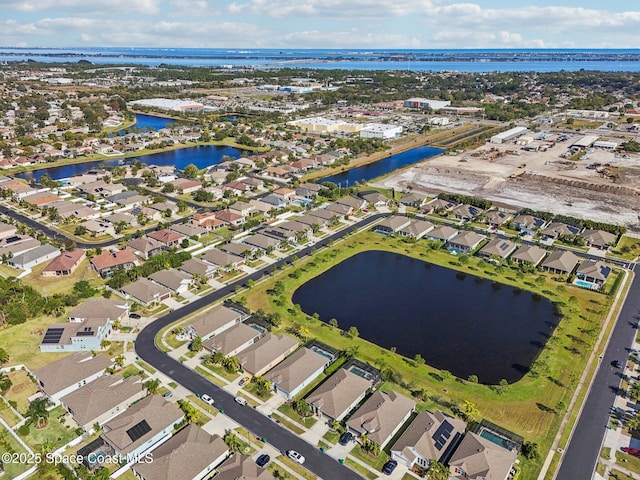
pixel 321 23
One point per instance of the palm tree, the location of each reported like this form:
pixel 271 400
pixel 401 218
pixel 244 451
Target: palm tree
pixel 437 470
pixel 232 441
pixel 190 412
pixel 5 382
pixel 37 413
pixel 152 386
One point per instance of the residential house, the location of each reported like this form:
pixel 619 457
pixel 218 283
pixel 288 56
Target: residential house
pixel 439 206
pixel 413 199
pixel 7 230
pixel 555 230
pixel 381 416
pixel 236 188
pixel 528 224
pixel 308 191
pixel 392 224
pixel 186 185
pixel 128 199
pixel 598 239
pixel 263 242
pixel 142 426
pixel 339 209
pixel 64 264
pixel 239 249
pixel 66 375
pixel 97 228
pixel 529 254
pixel 416 229
pixel 169 238
pixel 215 321
pixel 175 280
pixel 166 206
pixel 498 248
pixel 560 262
pixel 355 203
pixel 29 259
pixel 281 234
pixel 325 215
pixel 198 268
pixel 146 247
pixel 233 340
pixel 593 271
pixel 496 218
pixel 288 194
pixel 242 467
pixel 466 212
pixel 311 220
pixel 465 242
pixel 100 188
pixel 430 436
pixel 222 260
pixel 275 201
pixel 103 399
pixel 191 454
pixel 339 394
pixel 296 227
pixel 266 353
pixel 145 292
pixel 243 209
pixel 188 230
pixel 109 261
pixel 297 371
pixel 207 221
pixel 442 233
pixel 151 214
pixel 261 206
pixel 229 218
pixel 17 244
pixel 376 199
pixel 477 458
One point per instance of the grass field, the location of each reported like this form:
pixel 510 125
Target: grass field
pixel 531 407
pixel 48 286
pixel 9 444
pixel 21 390
pixel 55 433
pixel 627 248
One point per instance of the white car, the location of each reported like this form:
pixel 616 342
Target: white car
pixel 295 456
pixel 207 399
pixel 240 400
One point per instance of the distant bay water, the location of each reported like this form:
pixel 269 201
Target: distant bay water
pixel 478 61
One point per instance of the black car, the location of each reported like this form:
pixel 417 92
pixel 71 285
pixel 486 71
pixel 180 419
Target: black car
pixel 135 316
pixel 345 438
pixel 389 467
pixel 262 460
pixel 617 364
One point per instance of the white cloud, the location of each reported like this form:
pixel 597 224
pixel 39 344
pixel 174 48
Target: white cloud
pixel 110 7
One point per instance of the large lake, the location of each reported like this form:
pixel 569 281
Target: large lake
pixel 382 167
pixel 457 322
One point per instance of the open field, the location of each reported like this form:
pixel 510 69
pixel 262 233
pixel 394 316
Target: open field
pixel 532 407
pixel 544 181
pixel 51 285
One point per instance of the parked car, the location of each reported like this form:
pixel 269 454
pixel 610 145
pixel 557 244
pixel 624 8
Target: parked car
pixel 244 380
pixel 262 460
pixel 617 364
pixel 135 316
pixel 240 400
pixel 295 456
pixel 345 438
pixel 389 467
pixel 208 399
pixel 631 451
pixel 167 394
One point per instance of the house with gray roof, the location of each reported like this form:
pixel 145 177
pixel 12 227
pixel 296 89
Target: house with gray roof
pixel 195 266
pixel 145 292
pixel 311 220
pixel 599 239
pixel 103 399
pixel 376 199
pixel 339 394
pixel 528 224
pixel 381 416
pixel 555 230
pixel 63 376
pixel 239 249
pixel 222 260
pixel 560 262
pixel 477 458
pixel 233 340
pixel 353 202
pixel 439 206
pixel 339 209
pixel 497 218
pixel 296 227
pixel 430 436
pixel 497 248
pixel 529 255
pixel 593 271
pixel 443 234
pixel 466 212
pixel 188 230
pixel 146 247
pixel 191 454
pixel 244 209
pixel 29 259
pixel 17 244
pixel 326 215
pixel 124 217
pixel 149 422
pixel 264 242
pixel 392 224
pixel 215 321
pixel 266 353
pixel 175 280
pixel 413 199
pixel 242 467
pixel 297 371
pixel 416 229
pixel 465 242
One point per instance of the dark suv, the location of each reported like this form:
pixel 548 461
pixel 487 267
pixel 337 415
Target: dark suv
pixel 262 460
pixel 389 467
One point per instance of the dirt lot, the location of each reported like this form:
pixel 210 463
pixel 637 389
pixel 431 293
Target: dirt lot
pixel 607 191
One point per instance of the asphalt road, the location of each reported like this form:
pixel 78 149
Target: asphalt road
pixel 260 425
pixel 583 451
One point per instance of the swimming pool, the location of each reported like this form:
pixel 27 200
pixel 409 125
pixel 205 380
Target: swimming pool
pixel 497 439
pixel 319 351
pixel 583 284
pixel 96 457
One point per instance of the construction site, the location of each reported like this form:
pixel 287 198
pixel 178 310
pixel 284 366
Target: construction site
pixel 555 175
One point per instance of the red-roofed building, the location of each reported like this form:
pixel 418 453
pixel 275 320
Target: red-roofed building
pixel 167 237
pixel 230 218
pixel 207 221
pixel 107 262
pixel 65 264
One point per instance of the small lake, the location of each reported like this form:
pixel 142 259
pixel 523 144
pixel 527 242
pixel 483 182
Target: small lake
pixel 457 322
pixel 201 156
pixel 152 122
pixel 382 167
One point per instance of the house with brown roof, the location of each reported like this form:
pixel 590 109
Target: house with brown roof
pixel 465 242
pixel 528 224
pixel 355 203
pixel 266 353
pixel 7 230
pixel 233 340
pixel 175 280
pixel 66 375
pixel 146 247
pixel 225 261
pixel 142 426
pixel 215 321
pixel 497 218
pixel 381 416
pixel 186 185
pixel 466 212
pixel 416 229
pixel 207 221
pixel 555 230
pixel 560 262
pixel 196 267
pixel 263 242
pixel 169 238
pixel 64 264
pixel 297 371
pixel 242 467
pixel 188 230
pixel 593 271
pixel 430 436
pixel 599 239
pixel 102 399
pixel 439 206
pixel 109 261
pixel 243 209
pixel 413 199
pixel 191 454
pixel 529 255
pixel 443 233
pixel 376 199
pixel 392 224
pixel 145 292
pixel 498 248
pixel 477 458
pixel 339 394
pixel 229 218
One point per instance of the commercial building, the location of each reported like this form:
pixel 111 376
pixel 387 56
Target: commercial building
pixel 510 134
pixel 168 104
pixel 426 103
pixel 381 130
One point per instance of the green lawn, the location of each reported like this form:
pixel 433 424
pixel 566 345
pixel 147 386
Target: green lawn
pixel 252 388
pixel 54 433
pixel 331 437
pixel 618 475
pixel 627 248
pixel 207 374
pixel 21 389
pixel 306 422
pixel 299 469
pixel 528 406
pixel 9 444
pixel 7 414
pixel 374 462
pixel 628 461
pixel 360 469
pixel 223 372
pixel 287 423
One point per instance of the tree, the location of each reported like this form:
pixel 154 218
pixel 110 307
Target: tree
pixel 83 289
pixel 168 188
pixel 302 408
pixel 4 356
pixel 634 390
pixel 418 360
pixel 530 450
pixel 333 322
pixel 152 386
pixel 37 413
pixel 5 382
pixel 232 441
pixel 196 344
pixel 470 411
pixel 231 364
pixel 119 360
pixel 191 171
pixel 80 230
pixel 473 378
pixel 353 332
pixel 190 411
pixel 437 470
pixel 445 375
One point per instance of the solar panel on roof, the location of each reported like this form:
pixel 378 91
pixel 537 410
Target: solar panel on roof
pixel 53 335
pixel 504 246
pixel 442 435
pixel 88 333
pixel 138 430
